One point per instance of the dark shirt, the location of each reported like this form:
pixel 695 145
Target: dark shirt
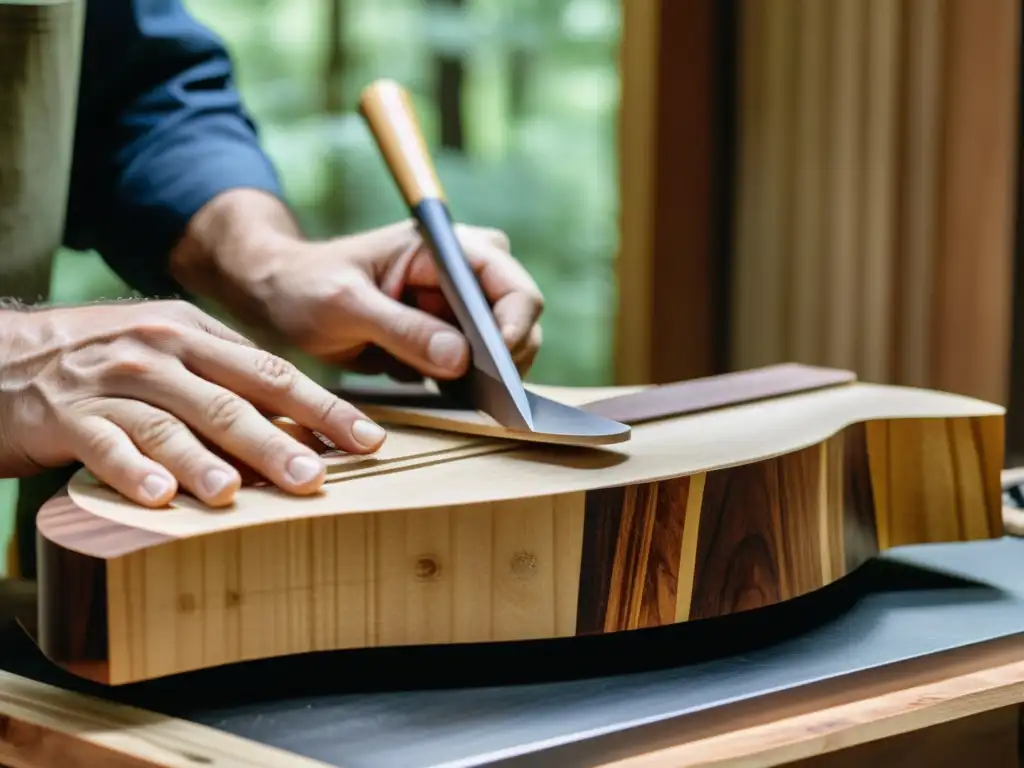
pixel 161 130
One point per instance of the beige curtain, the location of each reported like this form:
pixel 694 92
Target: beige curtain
pixel 876 155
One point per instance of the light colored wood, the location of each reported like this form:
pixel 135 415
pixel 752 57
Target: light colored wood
pixel 389 113
pixel 781 738
pixel 40 48
pixel 477 423
pixel 687 445
pixel 987 738
pixel 48 727
pixel 505 544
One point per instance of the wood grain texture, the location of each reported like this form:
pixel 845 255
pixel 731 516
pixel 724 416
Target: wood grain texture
pixel 45 726
pixel 610 559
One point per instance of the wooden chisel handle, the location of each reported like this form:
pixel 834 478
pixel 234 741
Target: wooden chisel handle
pixel 493 384
pixel 388 111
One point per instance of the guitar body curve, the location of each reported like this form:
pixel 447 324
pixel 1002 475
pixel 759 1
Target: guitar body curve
pixel 446 538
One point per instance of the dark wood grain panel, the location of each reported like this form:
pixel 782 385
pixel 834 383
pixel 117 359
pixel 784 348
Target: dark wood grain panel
pixel 860 533
pixel 639 532
pixel 710 392
pixel 72 626
pixel 799 535
pixel 632 551
pixel 781 528
pixel 737 565
pixel 663 560
pixel 601 523
pixel 73 607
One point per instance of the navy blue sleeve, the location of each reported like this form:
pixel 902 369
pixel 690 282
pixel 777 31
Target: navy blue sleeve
pixel 161 130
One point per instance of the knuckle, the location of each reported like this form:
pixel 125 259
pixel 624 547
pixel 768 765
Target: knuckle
pixel 157 330
pixel 276 373
pixel 102 443
pixel 407 328
pixel 180 308
pixel 345 291
pixel 124 358
pixel 72 367
pixel 276 445
pixel 224 410
pixel 157 430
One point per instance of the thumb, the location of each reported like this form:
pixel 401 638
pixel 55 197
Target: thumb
pixel 420 340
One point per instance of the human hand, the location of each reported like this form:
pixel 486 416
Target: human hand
pixel 377 302
pixel 132 391
pixel 369 301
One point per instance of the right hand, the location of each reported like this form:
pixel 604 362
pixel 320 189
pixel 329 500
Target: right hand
pixel 127 389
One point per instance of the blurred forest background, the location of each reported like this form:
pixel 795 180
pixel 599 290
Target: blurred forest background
pixel 518 99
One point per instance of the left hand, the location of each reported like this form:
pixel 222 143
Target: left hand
pixel 372 303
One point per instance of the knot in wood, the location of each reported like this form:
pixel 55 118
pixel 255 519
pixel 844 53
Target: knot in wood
pixel 524 564
pixel 427 567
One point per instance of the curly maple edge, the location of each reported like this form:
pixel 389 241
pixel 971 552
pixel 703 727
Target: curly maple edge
pixel 693 547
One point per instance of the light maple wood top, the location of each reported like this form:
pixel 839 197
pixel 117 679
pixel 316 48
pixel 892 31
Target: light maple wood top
pixel 439 470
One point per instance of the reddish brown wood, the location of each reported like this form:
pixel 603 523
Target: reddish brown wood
pixel 709 392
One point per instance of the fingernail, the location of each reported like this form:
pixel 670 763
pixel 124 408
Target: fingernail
pixel 445 349
pixel 303 469
pixel 156 487
pixel 367 434
pixel 215 481
pixel 508 333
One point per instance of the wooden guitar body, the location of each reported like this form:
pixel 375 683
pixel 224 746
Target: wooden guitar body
pixel 736 497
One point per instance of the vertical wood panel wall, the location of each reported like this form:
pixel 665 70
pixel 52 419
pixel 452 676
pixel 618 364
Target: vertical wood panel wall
pixel 674 152
pixel 876 152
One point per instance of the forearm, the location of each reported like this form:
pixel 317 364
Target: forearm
pixel 161 133
pixel 231 249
